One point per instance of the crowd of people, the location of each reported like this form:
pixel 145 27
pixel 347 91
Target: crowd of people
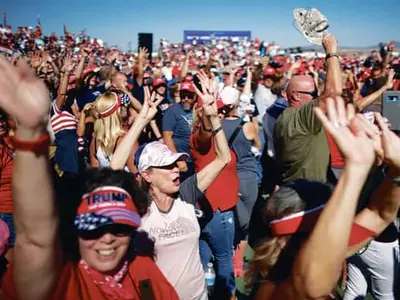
pixel 124 175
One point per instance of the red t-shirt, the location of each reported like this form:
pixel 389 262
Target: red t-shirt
pixel 337 160
pixel 76 284
pixel 6 170
pixel 223 192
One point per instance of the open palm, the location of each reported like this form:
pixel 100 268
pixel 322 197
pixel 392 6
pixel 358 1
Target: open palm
pixel 23 95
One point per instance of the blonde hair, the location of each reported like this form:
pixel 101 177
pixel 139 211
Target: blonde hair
pixel 108 129
pixel 266 255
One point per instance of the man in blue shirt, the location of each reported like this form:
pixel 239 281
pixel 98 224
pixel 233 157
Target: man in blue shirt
pixel 177 126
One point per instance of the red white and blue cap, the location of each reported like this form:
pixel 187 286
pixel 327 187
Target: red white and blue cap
pixel 106 205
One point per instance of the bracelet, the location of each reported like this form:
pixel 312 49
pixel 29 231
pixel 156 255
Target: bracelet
pixel 396 180
pixel 205 129
pixel 329 55
pixel 39 146
pixel 214 132
pixel 159 138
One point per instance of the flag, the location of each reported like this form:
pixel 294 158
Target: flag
pixel 38 21
pixel 65 30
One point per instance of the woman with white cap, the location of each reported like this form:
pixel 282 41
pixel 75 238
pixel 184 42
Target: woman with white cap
pixel 171 219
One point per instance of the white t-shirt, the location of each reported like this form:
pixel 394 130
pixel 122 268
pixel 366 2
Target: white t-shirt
pixel 176 234
pixel 263 99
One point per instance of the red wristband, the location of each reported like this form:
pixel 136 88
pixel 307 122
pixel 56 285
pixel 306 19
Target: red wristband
pixel 38 146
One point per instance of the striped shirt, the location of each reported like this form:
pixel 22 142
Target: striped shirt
pixel 62 120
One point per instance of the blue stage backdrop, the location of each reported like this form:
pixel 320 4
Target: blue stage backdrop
pixel 205 36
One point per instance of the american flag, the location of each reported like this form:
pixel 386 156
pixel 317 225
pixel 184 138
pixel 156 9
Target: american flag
pixel 91 221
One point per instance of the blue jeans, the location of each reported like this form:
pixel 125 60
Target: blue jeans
pixel 258 164
pixel 216 240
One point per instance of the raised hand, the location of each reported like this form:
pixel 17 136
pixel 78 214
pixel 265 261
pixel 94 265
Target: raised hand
pixel 353 134
pixel 150 103
pixel 143 53
pixel 88 108
pixel 46 57
pixel 36 60
pixel 329 43
pixel 23 95
pixel 390 81
pixel 208 96
pixel 68 64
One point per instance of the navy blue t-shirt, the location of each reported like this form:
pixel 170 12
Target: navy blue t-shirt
pixel 180 123
pixel 89 95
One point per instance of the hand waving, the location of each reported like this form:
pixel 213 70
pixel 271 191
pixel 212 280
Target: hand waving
pixel 68 64
pixel 143 53
pixel 23 95
pixel 149 109
pixel 209 95
pixel 390 80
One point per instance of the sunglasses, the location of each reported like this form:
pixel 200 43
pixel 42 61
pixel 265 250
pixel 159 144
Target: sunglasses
pixel 168 167
pixel 184 95
pixel 118 230
pixel 313 94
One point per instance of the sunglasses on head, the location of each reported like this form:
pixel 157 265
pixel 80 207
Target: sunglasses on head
pixel 119 230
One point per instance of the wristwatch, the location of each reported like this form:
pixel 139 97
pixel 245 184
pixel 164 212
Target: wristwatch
pixel 329 55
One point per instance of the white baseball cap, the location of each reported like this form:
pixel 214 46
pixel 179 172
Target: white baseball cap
pixel 230 96
pixel 156 154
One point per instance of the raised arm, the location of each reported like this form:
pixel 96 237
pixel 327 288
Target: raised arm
pixel 36 253
pixel 143 54
pixel 223 156
pixel 62 90
pixel 333 83
pixel 125 148
pixel 79 69
pixel 258 71
pixel 317 266
pixel 185 66
pixel 364 102
pixel 247 85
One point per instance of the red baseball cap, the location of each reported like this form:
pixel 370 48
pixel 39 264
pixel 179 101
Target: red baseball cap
pixel 187 86
pixel 159 81
pixel 106 205
pixel 269 71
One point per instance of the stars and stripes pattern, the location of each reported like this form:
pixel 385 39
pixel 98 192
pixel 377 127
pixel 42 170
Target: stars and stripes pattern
pixel 91 221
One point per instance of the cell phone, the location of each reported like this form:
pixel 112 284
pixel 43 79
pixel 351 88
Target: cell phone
pixel 196 82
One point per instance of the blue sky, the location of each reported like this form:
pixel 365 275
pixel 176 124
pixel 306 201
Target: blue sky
pixel 353 22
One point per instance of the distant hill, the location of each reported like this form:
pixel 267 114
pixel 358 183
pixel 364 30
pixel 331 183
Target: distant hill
pixel 347 48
